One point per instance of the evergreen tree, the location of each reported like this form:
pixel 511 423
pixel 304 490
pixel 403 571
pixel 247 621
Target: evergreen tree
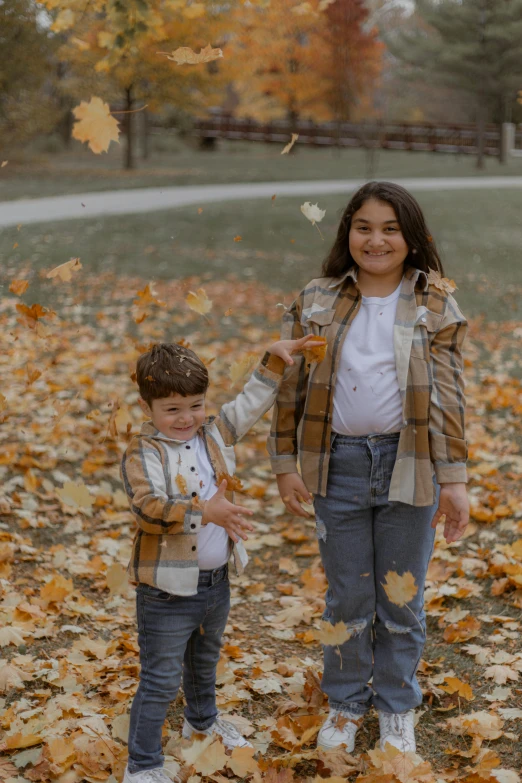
pixel 473 46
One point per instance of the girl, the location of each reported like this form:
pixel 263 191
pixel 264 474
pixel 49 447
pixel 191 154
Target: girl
pixel 376 426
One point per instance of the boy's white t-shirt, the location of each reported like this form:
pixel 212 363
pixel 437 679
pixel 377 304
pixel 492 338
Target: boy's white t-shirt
pixel 367 399
pixel 213 541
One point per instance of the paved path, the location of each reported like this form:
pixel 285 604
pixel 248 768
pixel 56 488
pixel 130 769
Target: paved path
pixel 128 202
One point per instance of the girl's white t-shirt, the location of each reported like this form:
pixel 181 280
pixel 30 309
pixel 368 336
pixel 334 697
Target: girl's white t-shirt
pixel 367 399
pixel 213 541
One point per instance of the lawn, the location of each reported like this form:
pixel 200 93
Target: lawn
pixel 478 234
pixel 47 169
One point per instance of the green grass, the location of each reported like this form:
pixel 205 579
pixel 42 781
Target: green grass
pixel 478 233
pixel 37 174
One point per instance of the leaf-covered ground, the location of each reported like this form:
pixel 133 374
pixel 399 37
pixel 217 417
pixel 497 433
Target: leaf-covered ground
pixel 69 663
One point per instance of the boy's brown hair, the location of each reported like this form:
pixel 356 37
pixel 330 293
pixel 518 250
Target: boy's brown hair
pixel 168 369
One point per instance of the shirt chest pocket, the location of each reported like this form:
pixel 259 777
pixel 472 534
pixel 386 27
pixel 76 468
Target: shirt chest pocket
pixel 427 324
pixel 316 322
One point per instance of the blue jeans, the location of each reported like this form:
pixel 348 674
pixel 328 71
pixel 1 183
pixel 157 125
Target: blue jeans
pixel 176 634
pixel 362 536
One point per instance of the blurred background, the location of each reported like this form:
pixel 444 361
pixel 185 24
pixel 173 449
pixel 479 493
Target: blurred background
pixel 387 89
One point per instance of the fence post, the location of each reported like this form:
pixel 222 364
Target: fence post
pixel 507 141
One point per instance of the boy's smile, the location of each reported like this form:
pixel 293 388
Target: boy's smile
pixel 176 416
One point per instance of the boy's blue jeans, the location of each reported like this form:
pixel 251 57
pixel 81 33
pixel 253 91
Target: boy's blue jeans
pixel 362 536
pixel 176 635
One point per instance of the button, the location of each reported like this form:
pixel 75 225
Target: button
pixel 194 494
pixel 193 468
pixel 193 548
pixel 187 447
pixel 193 525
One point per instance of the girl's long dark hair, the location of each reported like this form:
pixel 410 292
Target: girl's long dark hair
pixel 410 218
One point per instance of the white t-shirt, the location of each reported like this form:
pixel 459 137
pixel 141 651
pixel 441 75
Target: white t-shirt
pixel 367 399
pixel 213 541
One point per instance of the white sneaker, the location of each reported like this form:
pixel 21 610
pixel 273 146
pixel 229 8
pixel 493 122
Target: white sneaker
pixel 231 737
pixel 398 730
pixel 338 729
pixel 157 775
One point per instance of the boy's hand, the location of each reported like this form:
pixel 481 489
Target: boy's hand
pixel 225 514
pixel 285 348
pixel 293 492
pixel 454 507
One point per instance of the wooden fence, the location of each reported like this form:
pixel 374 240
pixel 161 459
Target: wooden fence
pixel 404 136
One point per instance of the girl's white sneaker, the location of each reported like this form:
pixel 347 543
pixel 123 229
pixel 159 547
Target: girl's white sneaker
pixel 339 729
pixel 397 729
pixel 231 737
pixel 157 775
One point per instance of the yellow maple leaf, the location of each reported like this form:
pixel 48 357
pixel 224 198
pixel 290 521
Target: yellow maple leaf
pixel 400 589
pixel 199 301
pixel 332 635
pixel 242 367
pixel 442 283
pixel 64 271
pixel 147 296
pixel 75 494
pixel 184 55
pixel 19 287
pixel 316 351
pixel 95 125
pixel 288 147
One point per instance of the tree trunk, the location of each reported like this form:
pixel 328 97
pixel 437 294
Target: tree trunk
pixel 481 132
pixel 129 127
pixel 145 147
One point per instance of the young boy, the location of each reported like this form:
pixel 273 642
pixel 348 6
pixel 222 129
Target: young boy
pixel 188 529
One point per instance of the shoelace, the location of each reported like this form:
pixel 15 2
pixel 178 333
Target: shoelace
pixel 398 725
pixel 226 729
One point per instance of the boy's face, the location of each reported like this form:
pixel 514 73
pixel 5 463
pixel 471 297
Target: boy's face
pixel 176 416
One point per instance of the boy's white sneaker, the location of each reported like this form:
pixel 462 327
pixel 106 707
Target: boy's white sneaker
pixel 397 729
pixel 339 729
pixel 157 775
pixel 231 737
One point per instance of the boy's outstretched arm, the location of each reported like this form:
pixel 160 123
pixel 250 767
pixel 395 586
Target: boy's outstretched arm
pixel 237 417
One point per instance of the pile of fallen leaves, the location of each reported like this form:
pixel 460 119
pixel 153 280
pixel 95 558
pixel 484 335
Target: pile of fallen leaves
pixel 69 665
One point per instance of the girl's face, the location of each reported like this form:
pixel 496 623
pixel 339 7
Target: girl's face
pixel 376 242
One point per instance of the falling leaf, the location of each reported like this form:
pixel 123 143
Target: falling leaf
pixel 331 635
pixel 19 287
pixel 314 214
pixel 243 367
pixel 184 55
pixel 199 302
pixel 442 283
pixel 75 494
pixel 287 149
pixel 148 297
pixel 400 589
pixel 64 271
pixel 95 125
pixel 316 350
pixel 181 484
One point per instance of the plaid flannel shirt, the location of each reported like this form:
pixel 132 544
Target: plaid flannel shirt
pixel 428 335
pixel 160 479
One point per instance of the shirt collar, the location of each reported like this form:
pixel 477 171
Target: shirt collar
pixel 410 273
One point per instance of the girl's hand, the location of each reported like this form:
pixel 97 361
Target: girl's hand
pixel 285 348
pixel 293 491
pixel 225 514
pixel 454 506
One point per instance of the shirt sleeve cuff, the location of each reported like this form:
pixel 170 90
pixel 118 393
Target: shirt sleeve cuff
pixel 284 464
pixel 451 473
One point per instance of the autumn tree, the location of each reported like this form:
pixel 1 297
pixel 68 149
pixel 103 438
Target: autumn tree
pixel 26 105
pixel 472 46
pixel 112 50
